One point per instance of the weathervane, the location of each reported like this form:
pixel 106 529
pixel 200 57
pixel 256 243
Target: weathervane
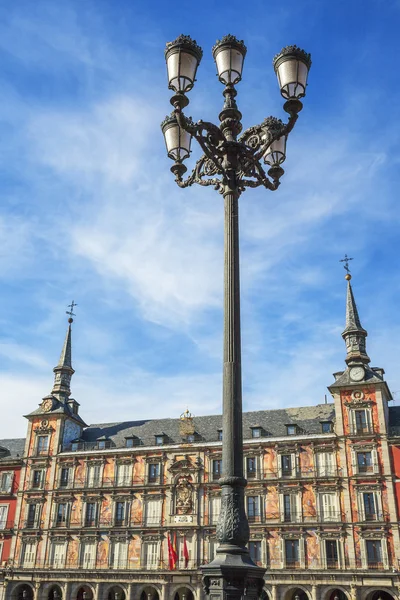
pixel 71 311
pixel 346 266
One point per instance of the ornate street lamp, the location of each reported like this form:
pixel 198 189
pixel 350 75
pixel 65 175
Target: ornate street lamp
pixel 231 164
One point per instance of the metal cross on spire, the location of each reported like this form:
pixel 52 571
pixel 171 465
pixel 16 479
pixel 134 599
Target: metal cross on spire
pixel 346 263
pixel 71 311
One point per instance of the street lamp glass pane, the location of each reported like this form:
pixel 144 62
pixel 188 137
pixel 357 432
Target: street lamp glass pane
pixel 178 142
pixel 229 65
pixel 276 153
pixel 292 77
pixel 182 68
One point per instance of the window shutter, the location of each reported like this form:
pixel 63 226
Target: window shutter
pixel 302 552
pixel 385 558
pixel 361 511
pixel 153 512
pixel 374 456
pixel 215 508
pixel 295 506
pixel 283 555
pixel 378 505
pixel 281 508
pixel 330 463
pixel 280 465
pixel 3 516
pixel 295 464
pixel 151 555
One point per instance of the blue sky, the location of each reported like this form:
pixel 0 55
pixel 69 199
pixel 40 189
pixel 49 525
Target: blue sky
pixel 89 210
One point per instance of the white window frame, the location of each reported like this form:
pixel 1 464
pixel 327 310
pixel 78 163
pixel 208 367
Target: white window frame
pixel 69 482
pixel 153 563
pixel 127 506
pixel 157 480
pixel 6 508
pixel 8 489
pixel 46 450
pixel 331 515
pixel 59 563
pixel 214 509
pixel 377 502
pixel 96 512
pixel 68 513
pixel 90 480
pixel 301 551
pixel 91 563
pixel 33 547
pixel 38 511
pixel 368 418
pixel 258 508
pixel 328 468
pixel 1 551
pixel 294 465
pixel 374 457
pixel 384 551
pixel 42 478
pixel 123 476
pixel 256 461
pixel 295 506
pixel 153 512
pixel 122 558
pixel 340 552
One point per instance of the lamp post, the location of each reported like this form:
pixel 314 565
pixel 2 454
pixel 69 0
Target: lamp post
pixel 231 164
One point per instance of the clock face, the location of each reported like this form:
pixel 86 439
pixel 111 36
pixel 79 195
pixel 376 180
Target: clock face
pixel 357 373
pixel 47 405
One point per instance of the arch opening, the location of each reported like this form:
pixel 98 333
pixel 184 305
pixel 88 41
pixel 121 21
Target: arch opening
pixel 116 593
pixel 183 593
pixel 149 593
pixel 54 593
pixel 84 593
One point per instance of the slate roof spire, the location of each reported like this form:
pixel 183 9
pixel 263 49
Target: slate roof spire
pixel 354 334
pixel 64 371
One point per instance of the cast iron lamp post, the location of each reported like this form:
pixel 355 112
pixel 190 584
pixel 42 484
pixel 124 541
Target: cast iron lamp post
pixel 231 164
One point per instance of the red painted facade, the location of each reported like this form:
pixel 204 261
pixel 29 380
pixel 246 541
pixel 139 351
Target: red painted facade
pixel 10 471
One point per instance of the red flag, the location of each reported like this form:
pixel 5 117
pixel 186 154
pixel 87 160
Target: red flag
pixel 175 549
pixel 185 552
pixel 172 556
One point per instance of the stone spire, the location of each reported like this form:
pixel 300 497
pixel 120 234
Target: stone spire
pixel 64 371
pixel 354 334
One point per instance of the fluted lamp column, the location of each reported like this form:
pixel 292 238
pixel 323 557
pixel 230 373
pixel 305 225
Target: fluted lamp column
pixel 231 164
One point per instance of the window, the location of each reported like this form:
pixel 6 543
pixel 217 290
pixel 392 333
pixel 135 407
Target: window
pixel 88 555
pixel 215 509
pixel 154 472
pixel 331 553
pixel 6 479
pixel 291 429
pixel 119 553
pixel 328 506
pixel 220 435
pixel 42 444
pixel 326 426
pixel 326 464
pixel 90 514
pixel 251 467
pixel 216 469
pixel 256 432
pixel 64 477
pixel 289 510
pixel 57 555
pixel 374 554
pixel 255 552
pixel 370 512
pixel 75 446
pixel 62 514
pixel 129 442
pixel 93 475
pixel 101 445
pixel 253 509
pixel 120 513
pixel 151 555
pixel 361 421
pixel 153 512
pixel 159 440
pixel 190 438
pixel 287 465
pixel 292 554
pixel 364 462
pixel 33 515
pixel 38 478
pixel 123 474
pixel 29 554
pixel 3 516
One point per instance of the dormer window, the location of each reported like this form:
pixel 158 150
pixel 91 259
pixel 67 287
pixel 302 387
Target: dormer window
pixel 75 445
pixel 103 443
pixel 256 431
pixel 326 426
pixel 191 438
pixel 160 439
pixel 291 429
pixel 220 435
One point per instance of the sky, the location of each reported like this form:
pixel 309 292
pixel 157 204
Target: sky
pixel 89 210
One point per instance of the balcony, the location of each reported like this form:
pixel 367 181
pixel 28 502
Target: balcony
pixel 292 563
pixel 332 563
pixel 361 429
pixel 32 524
pixel 254 518
pixel 6 526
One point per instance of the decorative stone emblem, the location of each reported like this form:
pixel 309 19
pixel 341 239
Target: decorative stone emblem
pixel 184 496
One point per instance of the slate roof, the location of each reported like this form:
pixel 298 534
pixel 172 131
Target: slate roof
pixel 59 408
pixel 14 449
pixel 272 422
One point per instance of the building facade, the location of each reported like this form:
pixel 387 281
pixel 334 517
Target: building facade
pixel 10 468
pixel 120 511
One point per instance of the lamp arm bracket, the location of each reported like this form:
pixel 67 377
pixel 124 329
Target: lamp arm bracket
pixel 208 136
pixel 251 167
pixel 259 137
pixel 202 174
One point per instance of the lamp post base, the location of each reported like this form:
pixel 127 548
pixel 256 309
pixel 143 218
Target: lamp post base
pixel 232 577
